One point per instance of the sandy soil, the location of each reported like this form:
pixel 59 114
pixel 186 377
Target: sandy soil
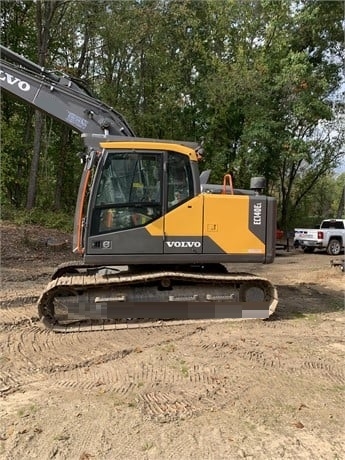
pixel 240 389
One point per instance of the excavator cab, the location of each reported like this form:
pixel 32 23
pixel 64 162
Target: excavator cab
pixel 146 205
pixel 132 186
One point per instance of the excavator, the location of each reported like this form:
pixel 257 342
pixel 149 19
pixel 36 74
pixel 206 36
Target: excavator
pixel 152 234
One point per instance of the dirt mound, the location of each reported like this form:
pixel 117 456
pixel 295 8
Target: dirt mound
pixel 32 243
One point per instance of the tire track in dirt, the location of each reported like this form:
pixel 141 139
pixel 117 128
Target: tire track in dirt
pixel 272 355
pixel 327 370
pixel 204 387
pixel 32 354
pixel 166 407
pixel 17 315
pixel 320 368
pixel 120 376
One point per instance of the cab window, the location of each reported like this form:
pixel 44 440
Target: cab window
pixel 180 182
pixel 128 192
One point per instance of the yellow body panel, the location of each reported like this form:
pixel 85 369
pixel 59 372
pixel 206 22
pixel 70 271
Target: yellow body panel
pixel 226 222
pixel 156 228
pixel 185 220
pixel 151 146
pixel 222 218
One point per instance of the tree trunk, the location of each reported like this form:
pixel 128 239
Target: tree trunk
pixel 45 10
pixel 61 161
pixel 31 197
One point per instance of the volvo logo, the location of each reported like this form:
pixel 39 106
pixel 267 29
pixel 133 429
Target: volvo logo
pixel 12 80
pixel 183 244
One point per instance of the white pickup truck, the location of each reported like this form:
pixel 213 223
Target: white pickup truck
pixel 330 236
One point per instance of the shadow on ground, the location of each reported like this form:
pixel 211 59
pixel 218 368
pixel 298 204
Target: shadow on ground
pixel 297 301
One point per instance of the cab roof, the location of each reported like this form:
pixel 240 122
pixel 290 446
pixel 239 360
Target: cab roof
pixel 108 141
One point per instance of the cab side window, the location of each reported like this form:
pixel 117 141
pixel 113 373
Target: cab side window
pixel 180 184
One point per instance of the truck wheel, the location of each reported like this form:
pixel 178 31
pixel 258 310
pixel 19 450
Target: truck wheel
pixel 308 250
pixel 334 247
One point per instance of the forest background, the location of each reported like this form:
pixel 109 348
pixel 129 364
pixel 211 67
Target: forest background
pixel 260 81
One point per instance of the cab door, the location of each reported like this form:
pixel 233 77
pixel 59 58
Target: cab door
pixel 127 202
pixel 183 216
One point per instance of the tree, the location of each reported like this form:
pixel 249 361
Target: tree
pixel 46 13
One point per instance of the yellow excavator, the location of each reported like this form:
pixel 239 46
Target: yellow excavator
pixel 152 233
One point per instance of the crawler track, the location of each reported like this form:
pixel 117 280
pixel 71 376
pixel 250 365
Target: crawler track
pixel 84 302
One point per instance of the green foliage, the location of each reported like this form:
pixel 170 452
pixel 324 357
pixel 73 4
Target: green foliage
pixel 15 152
pixel 50 219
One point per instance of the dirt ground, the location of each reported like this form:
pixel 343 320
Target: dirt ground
pixel 237 389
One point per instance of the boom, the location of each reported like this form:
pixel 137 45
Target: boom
pixel 59 96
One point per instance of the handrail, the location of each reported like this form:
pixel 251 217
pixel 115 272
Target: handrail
pixel 228 178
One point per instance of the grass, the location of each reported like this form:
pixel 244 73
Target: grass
pixel 61 437
pixel 184 368
pixel 147 446
pixel 57 220
pixel 168 348
pixel 26 411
